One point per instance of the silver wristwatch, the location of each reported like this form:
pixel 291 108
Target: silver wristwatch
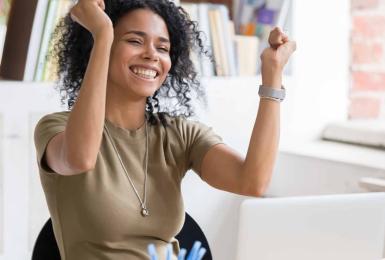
pixel 272 93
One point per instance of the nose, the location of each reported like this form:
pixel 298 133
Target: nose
pixel 150 53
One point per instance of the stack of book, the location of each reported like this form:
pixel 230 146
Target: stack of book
pixel 214 22
pixel 233 54
pixel 236 47
pixel 259 17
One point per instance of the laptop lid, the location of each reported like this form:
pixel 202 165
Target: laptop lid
pixel 327 227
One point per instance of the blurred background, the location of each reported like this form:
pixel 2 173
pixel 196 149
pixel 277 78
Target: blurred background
pixel 333 118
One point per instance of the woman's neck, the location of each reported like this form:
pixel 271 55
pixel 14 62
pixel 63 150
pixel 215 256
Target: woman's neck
pixel 125 113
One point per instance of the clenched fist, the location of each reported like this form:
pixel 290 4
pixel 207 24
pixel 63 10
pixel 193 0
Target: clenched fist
pixel 90 14
pixel 280 49
pixel 275 57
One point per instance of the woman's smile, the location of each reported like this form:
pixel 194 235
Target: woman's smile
pixel 144 72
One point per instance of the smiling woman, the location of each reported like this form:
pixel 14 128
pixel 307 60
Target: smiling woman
pixel 111 167
pixel 72 45
pixel 117 155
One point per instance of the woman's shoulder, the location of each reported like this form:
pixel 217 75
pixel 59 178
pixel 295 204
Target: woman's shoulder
pixel 55 117
pixel 182 124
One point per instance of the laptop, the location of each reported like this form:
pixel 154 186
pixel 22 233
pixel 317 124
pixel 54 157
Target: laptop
pixel 327 227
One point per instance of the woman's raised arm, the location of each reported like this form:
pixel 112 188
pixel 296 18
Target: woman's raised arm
pixel 75 150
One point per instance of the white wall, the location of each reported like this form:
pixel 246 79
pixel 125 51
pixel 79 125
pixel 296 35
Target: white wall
pixel 321 65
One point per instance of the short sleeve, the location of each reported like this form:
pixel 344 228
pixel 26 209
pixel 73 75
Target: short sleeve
pixel 47 127
pixel 198 138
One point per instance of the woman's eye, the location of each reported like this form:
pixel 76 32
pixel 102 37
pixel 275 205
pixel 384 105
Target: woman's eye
pixel 163 49
pixel 134 41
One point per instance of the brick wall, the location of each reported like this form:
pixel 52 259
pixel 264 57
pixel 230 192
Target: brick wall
pixel 367 94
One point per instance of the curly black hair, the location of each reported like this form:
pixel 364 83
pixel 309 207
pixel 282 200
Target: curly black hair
pixel 72 44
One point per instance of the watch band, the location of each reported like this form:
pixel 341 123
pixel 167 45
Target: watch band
pixel 272 93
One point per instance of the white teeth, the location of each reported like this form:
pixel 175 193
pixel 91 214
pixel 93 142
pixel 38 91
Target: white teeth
pixel 145 73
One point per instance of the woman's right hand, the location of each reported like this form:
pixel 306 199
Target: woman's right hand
pixel 90 14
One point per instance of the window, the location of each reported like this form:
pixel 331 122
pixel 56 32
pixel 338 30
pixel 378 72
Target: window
pixel 366 124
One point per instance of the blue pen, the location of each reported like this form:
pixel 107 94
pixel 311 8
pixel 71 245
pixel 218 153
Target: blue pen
pixel 169 252
pixel 201 253
pixel 182 254
pixel 194 251
pixel 152 252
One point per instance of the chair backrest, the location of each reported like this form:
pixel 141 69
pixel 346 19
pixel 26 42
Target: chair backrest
pixel 46 247
pixel 190 233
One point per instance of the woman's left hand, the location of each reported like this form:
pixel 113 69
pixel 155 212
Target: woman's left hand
pixel 275 57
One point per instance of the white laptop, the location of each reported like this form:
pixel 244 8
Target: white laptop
pixel 327 227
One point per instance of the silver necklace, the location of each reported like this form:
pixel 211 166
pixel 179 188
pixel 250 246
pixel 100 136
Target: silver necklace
pixel 144 210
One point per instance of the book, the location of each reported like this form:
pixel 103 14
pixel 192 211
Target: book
pixel 247 54
pixel 259 17
pixel 35 40
pixel 192 10
pixel 215 38
pixel 50 65
pixel 245 19
pixel 254 16
pixel 221 41
pixel 48 29
pixel 228 40
pixel 227 3
pixel 204 26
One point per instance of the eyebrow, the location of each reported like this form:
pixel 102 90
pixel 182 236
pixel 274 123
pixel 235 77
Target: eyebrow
pixel 143 34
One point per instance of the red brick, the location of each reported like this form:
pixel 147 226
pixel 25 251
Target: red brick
pixel 368 81
pixel 362 107
pixel 366 53
pixel 369 26
pixel 364 4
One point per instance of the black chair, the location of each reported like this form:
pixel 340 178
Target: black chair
pixel 46 248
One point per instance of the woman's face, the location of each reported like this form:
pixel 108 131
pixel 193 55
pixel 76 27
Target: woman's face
pixel 140 55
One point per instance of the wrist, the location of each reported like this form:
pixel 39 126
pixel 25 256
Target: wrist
pixel 104 35
pixel 272 82
pixel 271 77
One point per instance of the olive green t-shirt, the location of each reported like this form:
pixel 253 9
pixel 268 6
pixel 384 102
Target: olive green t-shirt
pixel 96 214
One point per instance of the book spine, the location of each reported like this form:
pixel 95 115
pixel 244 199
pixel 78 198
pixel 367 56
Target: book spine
pixel 34 43
pixel 192 10
pixel 50 66
pixel 215 39
pixel 204 26
pixel 221 40
pixel 48 27
pixel 228 40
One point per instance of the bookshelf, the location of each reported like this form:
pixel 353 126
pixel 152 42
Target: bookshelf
pixel 30 27
pixel 228 3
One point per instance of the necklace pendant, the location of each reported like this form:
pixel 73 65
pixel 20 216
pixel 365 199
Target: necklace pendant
pixel 144 212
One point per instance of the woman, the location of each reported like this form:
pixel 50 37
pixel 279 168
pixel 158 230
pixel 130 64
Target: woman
pixel 112 166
